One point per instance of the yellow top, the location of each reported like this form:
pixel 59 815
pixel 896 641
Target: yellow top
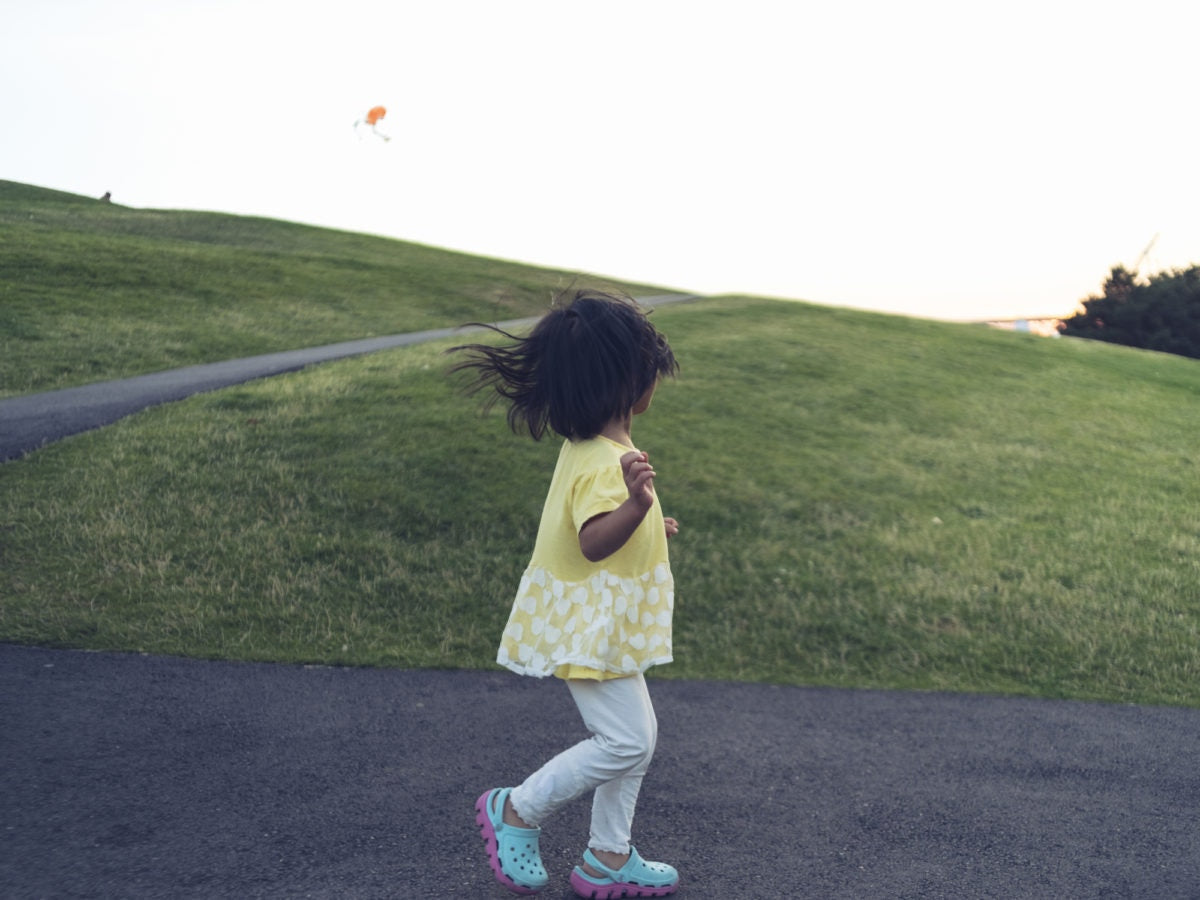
pixel 578 619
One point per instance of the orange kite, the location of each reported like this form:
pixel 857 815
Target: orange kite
pixel 374 114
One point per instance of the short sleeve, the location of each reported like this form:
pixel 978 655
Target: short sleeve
pixel 594 493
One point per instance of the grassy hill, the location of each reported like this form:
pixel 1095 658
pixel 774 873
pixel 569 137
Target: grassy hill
pixel 91 290
pixel 865 500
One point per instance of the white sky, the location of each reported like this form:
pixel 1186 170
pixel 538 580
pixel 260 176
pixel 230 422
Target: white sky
pixel 945 158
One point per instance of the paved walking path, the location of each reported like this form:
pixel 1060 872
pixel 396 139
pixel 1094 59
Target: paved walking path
pixel 132 776
pixel 33 420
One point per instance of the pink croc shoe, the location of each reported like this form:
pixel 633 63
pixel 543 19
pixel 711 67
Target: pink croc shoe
pixel 512 852
pixel 637 878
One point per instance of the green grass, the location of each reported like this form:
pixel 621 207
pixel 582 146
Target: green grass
pixel 865 501
pixel 91 291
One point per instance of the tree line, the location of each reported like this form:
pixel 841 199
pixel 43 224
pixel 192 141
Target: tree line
pixel 1160 312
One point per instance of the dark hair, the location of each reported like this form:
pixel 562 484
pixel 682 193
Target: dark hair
pixel 587 361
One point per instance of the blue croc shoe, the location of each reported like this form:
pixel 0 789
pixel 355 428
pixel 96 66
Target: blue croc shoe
pixel 512 851
pixel 637 878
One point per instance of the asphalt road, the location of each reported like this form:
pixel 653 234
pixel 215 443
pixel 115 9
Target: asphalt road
pixel 131 776
pixel 126 776
pixel 34 420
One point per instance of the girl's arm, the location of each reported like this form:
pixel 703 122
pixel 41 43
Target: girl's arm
pixel 603 535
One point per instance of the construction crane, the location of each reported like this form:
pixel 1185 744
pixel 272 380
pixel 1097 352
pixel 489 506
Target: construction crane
pixel 1142 258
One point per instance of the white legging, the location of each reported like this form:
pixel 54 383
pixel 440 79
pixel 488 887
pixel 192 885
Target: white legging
pixel 612 761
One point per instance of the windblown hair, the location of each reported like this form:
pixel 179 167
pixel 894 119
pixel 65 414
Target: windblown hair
pixel 587 361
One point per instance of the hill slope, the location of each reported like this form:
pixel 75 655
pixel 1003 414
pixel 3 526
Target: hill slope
pixel 92 290
pixel 865 500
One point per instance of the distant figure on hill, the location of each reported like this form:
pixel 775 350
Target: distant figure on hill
pixel 107 198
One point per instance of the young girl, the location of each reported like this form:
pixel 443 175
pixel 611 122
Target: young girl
pixel 594 605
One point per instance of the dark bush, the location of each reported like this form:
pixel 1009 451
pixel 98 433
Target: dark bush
pixel 1159 313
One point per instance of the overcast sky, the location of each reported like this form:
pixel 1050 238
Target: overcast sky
pixel 942 158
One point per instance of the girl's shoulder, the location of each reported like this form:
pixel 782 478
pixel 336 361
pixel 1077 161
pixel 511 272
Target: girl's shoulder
pixel 593 453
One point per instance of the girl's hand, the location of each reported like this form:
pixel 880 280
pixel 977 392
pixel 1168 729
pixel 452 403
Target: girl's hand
pixel 672 526
pixel 605 534
pixel 639 478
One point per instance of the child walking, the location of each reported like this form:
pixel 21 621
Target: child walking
pixel 594 604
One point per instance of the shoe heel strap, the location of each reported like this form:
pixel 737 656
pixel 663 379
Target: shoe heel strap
pixel 495 812
pixel 590 858
pixel 615 874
